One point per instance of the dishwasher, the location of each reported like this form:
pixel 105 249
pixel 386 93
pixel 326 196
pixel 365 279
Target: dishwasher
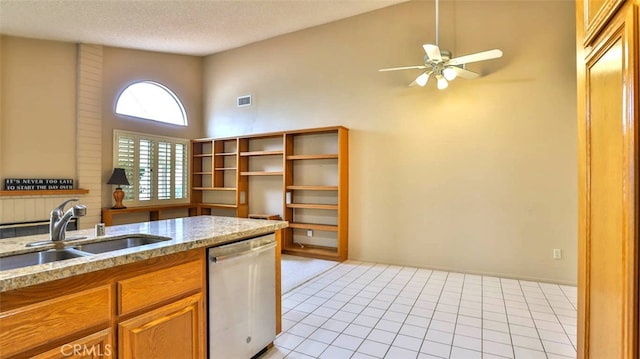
pixel 242 298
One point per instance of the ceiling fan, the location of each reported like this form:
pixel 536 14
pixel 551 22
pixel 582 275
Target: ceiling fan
pixel 439 64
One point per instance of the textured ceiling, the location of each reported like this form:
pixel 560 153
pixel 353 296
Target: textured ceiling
pixel 199 27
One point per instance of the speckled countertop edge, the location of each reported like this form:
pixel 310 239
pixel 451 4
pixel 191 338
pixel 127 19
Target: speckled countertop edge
pixel 186 233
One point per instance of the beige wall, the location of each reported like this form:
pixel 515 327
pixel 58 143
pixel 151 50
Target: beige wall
pixel 38 121
pixel 38 109
pixel 478 178
pixel 121 67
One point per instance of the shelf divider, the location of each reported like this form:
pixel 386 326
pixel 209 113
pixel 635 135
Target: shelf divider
pixel 261 153
pixel 313 157
pixel 313 206
pixel 313 188
pixel 214 188
pixel 314 226
pixel 312 251
pixel 261 173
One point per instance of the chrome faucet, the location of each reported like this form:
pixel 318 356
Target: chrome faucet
pixel 59 219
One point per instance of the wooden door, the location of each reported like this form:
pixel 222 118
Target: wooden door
pixel 174 331
pixel 608 208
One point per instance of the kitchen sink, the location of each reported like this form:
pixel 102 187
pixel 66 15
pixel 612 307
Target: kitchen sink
pixel 33 258
pixel 79 250
pixel 121 242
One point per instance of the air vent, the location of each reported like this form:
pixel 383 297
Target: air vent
pixel 244 101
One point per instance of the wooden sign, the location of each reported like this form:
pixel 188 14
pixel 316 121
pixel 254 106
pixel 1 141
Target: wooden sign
pixel 34 184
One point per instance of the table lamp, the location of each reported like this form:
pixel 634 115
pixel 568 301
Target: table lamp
pixel 119 178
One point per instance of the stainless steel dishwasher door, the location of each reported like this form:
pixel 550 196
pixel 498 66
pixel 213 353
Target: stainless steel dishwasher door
pixel 242 298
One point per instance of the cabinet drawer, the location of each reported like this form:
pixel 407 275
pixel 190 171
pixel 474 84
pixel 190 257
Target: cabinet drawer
pixel 149 289
pixel 37 324
pixel 95 346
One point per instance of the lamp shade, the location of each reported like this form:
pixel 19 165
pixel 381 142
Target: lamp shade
pixel 449 73
pixel 118 177
pixel 422 79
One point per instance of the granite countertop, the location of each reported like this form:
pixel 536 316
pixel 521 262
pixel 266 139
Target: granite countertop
pixel 185 233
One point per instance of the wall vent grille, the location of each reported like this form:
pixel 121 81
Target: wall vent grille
pixel 244 101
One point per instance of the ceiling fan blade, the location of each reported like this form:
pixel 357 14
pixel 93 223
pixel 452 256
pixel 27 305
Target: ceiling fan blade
pixel 433 52
pixel 463 73
pixel 421 67
pixel 480 56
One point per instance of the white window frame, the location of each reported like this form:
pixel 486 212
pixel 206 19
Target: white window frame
pixel 136 103
pixel 130 161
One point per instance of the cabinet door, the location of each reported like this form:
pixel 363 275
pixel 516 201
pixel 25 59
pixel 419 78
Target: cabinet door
pixel 98 345
pixel 174 331
pixel 607 322
pixel 596 14
pixel 52 321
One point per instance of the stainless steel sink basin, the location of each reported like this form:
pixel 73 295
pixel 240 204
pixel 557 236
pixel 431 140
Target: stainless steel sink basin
pixel 33 258
pixel 120 243
pixel 79 250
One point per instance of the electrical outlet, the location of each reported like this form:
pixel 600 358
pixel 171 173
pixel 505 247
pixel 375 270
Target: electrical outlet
pixel 309 233
pixel 557 253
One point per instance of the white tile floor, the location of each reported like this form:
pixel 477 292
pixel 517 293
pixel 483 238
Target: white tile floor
pixel 365 310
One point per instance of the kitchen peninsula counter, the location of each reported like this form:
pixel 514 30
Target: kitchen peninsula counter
pixel 185 233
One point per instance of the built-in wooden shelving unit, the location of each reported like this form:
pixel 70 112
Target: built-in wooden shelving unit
pixel 314 167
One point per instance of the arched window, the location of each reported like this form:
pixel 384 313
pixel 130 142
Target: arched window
pixel 152 101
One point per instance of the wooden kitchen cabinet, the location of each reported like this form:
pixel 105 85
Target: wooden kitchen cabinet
pixel 175 330
pixel 596 14
pixel 608 43
pixel 53 321
pixel 98 345
pixel 146 290
pixel 155 306
pixel 171 331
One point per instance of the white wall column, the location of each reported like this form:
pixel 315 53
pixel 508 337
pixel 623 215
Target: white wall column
pixel 89 130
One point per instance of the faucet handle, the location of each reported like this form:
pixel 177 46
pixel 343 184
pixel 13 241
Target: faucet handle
pixel 60 207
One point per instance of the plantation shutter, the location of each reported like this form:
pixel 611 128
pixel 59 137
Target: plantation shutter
pixel 164 170
pixel 126 159
pixel 145 170
pixel 180 168
pixel 156 167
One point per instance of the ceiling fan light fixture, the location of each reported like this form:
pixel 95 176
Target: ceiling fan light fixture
pixel 422 79
pixel 449 73
pixel 442 83
pixel 440 64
